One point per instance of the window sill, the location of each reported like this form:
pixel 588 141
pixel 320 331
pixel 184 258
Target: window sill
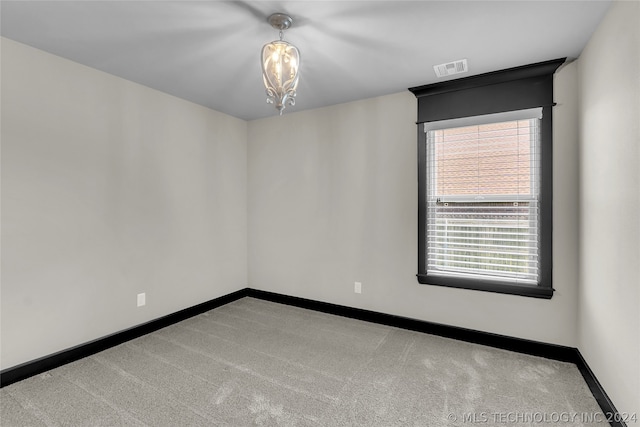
pixel 533 291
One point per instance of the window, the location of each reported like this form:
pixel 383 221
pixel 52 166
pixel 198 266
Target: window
pixel 484 146
pixel 482 198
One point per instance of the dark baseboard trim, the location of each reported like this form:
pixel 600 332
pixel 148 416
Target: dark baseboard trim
pixel 38 366
pixel 607 406
pixel 519 345
pixel 534 348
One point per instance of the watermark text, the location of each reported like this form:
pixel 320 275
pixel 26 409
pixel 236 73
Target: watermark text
pixel 515 417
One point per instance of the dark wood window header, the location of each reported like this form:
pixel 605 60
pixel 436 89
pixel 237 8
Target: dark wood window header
pixel 506 90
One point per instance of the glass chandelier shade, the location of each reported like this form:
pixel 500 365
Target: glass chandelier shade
pixel 280 65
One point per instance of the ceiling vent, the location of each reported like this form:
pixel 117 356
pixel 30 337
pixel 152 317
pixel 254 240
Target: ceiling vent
pixel 451 68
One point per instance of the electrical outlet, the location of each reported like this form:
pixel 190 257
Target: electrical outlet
pixel 357 287
pixel 142 299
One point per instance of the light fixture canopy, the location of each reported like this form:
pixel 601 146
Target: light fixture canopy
pixel 280 65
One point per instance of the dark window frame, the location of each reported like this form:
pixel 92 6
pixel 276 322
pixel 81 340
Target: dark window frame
pixel 518 88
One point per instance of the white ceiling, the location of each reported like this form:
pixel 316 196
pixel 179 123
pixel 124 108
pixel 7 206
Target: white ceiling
pixel 208 51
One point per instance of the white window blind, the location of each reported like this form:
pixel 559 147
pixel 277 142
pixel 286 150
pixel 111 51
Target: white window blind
pixel 483 197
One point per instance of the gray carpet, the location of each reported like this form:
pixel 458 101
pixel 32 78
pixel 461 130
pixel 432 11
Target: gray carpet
pixel 253 362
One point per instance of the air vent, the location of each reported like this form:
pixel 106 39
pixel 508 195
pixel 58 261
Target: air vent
pixel 451 68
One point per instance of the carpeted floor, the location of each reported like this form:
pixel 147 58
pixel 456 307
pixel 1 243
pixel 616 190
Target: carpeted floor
pixel 254 362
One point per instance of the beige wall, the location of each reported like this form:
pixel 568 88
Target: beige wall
pixel 110 189
pixel 333 200
pixel 609 315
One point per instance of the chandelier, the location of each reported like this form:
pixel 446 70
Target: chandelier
pixel 280 63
